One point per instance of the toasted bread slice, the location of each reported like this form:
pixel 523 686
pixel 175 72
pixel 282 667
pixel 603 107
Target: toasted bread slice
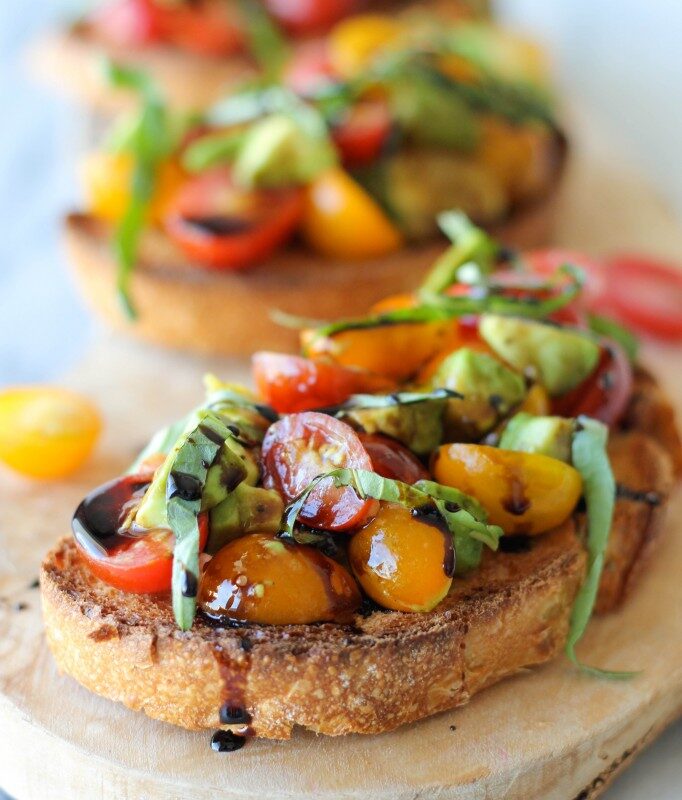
pixel 185 306
pixel 386 669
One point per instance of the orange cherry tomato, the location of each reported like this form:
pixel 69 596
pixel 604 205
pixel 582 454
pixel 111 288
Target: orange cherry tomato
pixel 220 225
pixel 259 578
pixel 392 459
pixel 46 432
pixel 342 220
pixel 402 561
pixel 301 447
pixel 536 401
pixel 395 351
pixel 522 492
pixel 140 564
pixel 292 383
pixel 356 42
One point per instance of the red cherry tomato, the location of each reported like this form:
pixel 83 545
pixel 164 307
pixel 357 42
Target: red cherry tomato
pixel 309 16
pixel 545 263
pixel 392 459
pixel 222 226
pixel 293 383
pixel 309 68
pixel 605 394
pixel 128 23
pixel 298 449
pixel 362 133
pixel 209 28
pixel 646 294
pixel 140 564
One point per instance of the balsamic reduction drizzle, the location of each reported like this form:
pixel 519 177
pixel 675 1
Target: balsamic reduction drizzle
pixel 227 742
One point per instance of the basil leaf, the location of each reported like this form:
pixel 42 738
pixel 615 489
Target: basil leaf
pixel 470 245
pixel 592 462
pixel 463 516
pixel 185 487
pixel 358 402
pixel 604 326
pixel 217 148
pixel 149 142
pixel 266 42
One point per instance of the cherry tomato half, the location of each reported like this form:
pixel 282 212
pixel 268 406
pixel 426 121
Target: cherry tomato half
pixel 222 226
pixel 361 134
pixel 309 68
pixel 545 263
pixel 298 449
pixel 605 393
pixel 392 459
pixel 207 27
pixel 646 294
pixel 139 564
pixel 292 383
pixel 309 16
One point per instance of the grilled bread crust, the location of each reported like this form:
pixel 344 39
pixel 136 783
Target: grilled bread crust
pixel 384 670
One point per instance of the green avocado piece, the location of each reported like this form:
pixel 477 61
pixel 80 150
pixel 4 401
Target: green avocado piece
pixel 419 426
pixel 228 471
pixel 490 391
pixel 278 152
pixel 245 510
pixel 549 436
pixel 420 183
pixel 558 357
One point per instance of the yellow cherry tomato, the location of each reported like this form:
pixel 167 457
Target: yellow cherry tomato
pixel 261 579
pixel 536 401
pixel 342 220
pixel 356 41
pixel 394 351
pixel 107 179
pixel 46 432
pixel 522 492
pixel 402 562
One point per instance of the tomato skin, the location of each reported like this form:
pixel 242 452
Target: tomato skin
pixel 292 383
pixel 309 68
pixel 207 28
pixel 129 23
pixel 647 294
pixel 221 226
pixel 299 448
pixel 309 16
pixel 137 564
pixel 393 460
pixel 361 135
pixel 605 394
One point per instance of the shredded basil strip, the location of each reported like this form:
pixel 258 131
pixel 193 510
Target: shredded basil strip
pixel 212 149
pixel 592 462
pixel 463 516
pixel 151 140
pixel 604 326
pixel 358 402
pixel 268 45
pixel 489 299
pixel 192 463
pixel 470 246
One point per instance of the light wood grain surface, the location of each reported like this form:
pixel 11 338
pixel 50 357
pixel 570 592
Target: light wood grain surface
pixel 550 733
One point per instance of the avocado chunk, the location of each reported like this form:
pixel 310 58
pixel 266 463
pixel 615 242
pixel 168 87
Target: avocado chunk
pixel 279 152
pixel 417 184
pixel 490 391
pixel 559 358
pixel 247 509
pixel 419 426
pixel 224 475
pixel 548 436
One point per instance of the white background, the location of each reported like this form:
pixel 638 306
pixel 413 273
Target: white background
pixel 620 61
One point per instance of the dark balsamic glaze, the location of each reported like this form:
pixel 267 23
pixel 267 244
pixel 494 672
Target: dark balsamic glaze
pixel 218 225
pixel 211 435
pixel 185 486
pixel 231 477
pixel 650 498
pixel 227 742
pixel 430 515
pixel 96 525
pixel 515 544
pixel 189 585
pixel 234 715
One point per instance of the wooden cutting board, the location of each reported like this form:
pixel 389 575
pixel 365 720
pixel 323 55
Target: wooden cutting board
pixel 549 733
